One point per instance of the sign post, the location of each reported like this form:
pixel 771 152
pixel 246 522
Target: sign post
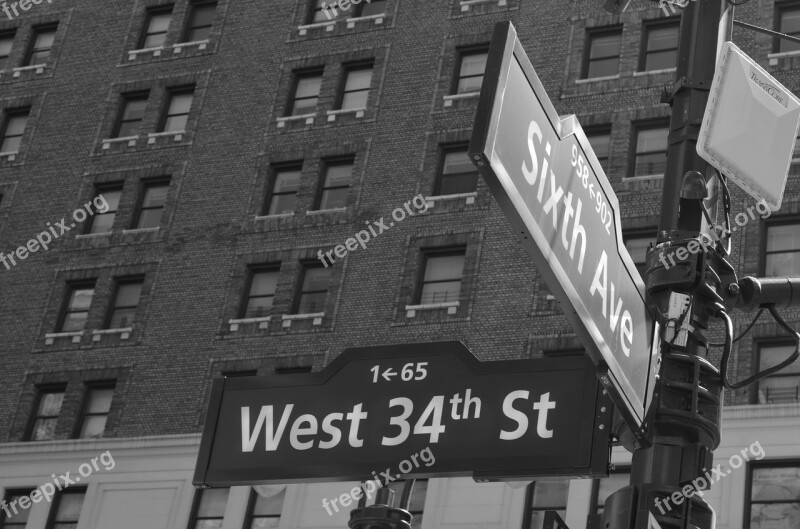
pixel 414 410
pixel 547 179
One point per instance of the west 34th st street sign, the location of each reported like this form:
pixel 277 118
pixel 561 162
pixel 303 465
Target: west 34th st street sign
pixel 547 179
pixel 372 408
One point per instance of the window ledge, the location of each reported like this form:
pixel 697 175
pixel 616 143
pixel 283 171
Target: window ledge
pixel 124 333
pixel 289 318
pixel 308 117
pixel 359 112
pixel 156 52
pixel 324 211
pixel 449 98
pixel 774 57
pixel 467 4
pixel 152 136
pixel 654 72
pixel 451 306
pixel 597 79
pixel 141 230
pixel 131 141
pixel 275 216
pixel 351 22
pixel 470 198
pixel 90 235
pixel 201 45
pixel 10 155
pixel 263 322
pixel 50 337
pixel 39 68
pixel 329 25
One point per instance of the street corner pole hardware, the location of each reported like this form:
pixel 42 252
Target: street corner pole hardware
pixel 382 515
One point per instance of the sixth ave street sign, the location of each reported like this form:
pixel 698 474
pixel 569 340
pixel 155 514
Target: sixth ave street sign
pixel 375 409
pixel 543 172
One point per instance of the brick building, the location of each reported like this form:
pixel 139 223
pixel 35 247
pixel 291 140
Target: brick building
pixel 217 146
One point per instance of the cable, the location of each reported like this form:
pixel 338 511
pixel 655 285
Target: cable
pixel 758 315
pixel 762 374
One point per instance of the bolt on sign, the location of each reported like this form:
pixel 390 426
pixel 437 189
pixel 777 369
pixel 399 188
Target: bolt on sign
pixel 373 407
pixel 543 172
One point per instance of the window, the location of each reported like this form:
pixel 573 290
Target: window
pixel 600 140
pixel 261 292
pixel 48 406
pixel 283 193
pixel 13 129
pixel 416 505
pixel 601 58
pixel 6 43
pixel 76 309
pixel 306 93
pixel 650 157
pixel 605 487
pixel 637 245
pixel 660 48
pixel 774 496
pixel 783 386
pixel 471 66
pixel 126 300
pixel 355 91
pixel 92 423
pixel 104 222
pixel 66 509
pixel 457 173
pixel 787 20
pixel 155 27
pixel 154 198
pixel 545 495
pixel 201 19
pixel 41 45
pixel 335 185
pixel 14 517
pixel 209 509
pixel 177 112
pixel 317 14
pixel 314 280
pixel 376 7
pixel 131 114
pixel 264 507
pixel 441 277
pixel 782 255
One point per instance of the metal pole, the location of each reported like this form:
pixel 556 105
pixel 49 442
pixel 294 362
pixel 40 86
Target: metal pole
pixel 684 419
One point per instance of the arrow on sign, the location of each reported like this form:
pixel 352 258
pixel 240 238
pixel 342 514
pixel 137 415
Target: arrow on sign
pixel 389 373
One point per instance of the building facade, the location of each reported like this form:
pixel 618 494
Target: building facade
pixel 178 184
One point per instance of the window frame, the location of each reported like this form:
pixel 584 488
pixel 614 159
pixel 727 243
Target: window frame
pixel 35 33
pixel 297 75
pixel 593 33
pixel 41 390
pixel 150 13
pixel 756 355
pixel 99 189
pixel 51 517
pixel 444 251
pixel 72 286
pixel 748 486
pixel 11 34
pixel 193 519
pixel 273 180
pixel 191 11
pixel 779 9
pixel 597 130
pixel 89 387
pixel 764 232
pixel 173 92
pixel 7 495
pixel 527 515
pixel 636 128
pixel 649 25
pixel 444 149
pixel 305 266
pixel 8 115
pixel 143 187
pixel 640 233
pixel 360 9
pixel 466 51
pixel 125 99
pixel 249 515
pixel 347 69
pixel 118 283
pixel 325 165
pixel 311 9
pixel 251 273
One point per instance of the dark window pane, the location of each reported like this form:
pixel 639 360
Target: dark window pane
pixel 262 293
pixel 178 112
pixel 442 278
pixel 155 197
pixel 789 23
pixel 604 50
pixel 306 95
pixel 284 191
pixel 314 290
pixel 651 149
pixel 662 47
pixel 212 503
pixel 69 508
pixel 42 45
pixel 132 116
pixel 377 7
pixel 14 130
pixel 157 27
pixel 103 222
pixel 6 43
pixel 458 174
pixel 77 309
pixel 356 90
pixel 201 22
pixel 470 76
pixel 336 186
pixel 783 250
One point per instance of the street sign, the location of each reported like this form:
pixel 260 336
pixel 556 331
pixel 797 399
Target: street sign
pixel 543 172
pixel 421 410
